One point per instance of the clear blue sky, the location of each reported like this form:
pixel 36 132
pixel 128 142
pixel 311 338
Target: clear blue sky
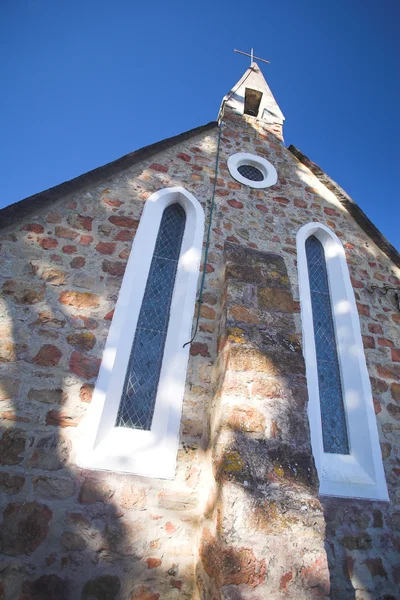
pixel 86 81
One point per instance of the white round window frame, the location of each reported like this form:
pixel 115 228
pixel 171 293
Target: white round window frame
pixel 244 158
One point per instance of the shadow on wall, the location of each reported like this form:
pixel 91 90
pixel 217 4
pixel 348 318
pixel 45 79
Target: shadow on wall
pixel 69 533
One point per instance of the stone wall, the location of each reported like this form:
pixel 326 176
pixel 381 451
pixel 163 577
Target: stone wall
pixel 68 533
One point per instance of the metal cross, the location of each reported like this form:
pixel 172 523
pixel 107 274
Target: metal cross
pixel 252 57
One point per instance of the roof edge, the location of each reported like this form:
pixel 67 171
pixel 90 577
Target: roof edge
pixel 13 213
pixel 356 212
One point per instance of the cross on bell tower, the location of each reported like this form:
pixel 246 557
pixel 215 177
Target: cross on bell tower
pixel 252 57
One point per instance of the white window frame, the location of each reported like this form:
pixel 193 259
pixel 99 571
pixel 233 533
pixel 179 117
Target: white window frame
pixel 244 158
pixel 148 453
pixel 359 474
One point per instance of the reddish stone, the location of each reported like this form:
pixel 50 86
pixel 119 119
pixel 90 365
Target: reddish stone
pixel 10 416
pixel 395 391
pixel 85 240
pixel 115 269
pixel 55 417
pixel 109 315
pixel 71 205
pixel 207 312
pixel 389 372
pixel 377 406
pixel 184 156
pixel 78 262
pixel 395 354
pixel 235 203
pixel 25 527
pixel 157 167
pixel 209 268
pixel 170 528
pixel 124 254
pixel 262 208
pixel 79 299
pixel 356 283
pixel 368 341
pixel 65 232
pixel 199 349
pixel 83 341
pixel 125 235
pixel 121 221
pixel 68 249
pixel 112 202
pixel 385 342
pixel 142 592
pixel 221 192
pixel 106 247
pixel 153 563
pixel 234 185
pixel 285 581
pixel 34 227
pixel 232 238
pixel 280 200
pixel 53 217
pixel 394 411
pixel 375 328
pixel 363 309
pixel 331 212
pixel 86 393
pixel 48 356
pixel 300 203
pixel 47 243
pixel 84 365
pixel 81 222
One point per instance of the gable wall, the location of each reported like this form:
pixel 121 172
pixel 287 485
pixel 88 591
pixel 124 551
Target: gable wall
pixel 61 272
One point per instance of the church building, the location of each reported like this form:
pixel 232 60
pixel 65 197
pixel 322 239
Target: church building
pixel 200 377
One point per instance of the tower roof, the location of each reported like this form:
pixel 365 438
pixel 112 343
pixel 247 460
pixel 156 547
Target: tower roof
pixel 252 95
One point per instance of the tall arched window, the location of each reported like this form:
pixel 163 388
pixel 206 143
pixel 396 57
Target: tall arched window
pixel 134 418
pixel 343 427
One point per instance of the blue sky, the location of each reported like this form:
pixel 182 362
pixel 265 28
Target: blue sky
pixel 86 81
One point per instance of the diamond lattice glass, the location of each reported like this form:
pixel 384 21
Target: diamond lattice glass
pixel 333 417
pixel 143 373
pixel 250 172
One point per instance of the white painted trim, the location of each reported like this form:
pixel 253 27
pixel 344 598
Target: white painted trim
pixel 360 474
pixel 149 453
pixel 244 158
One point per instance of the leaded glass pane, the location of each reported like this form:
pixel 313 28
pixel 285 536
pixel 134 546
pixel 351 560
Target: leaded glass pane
pixel 143 373
pixel 333 417
pixel 250 172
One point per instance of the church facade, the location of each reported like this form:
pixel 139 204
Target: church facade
pixel 200 379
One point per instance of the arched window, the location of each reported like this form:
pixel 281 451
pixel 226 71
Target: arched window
pixel 343 427
pixel 134 418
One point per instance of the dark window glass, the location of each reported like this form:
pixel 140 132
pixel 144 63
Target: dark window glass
pixel 250 172
pixel 334 427
pixel 143 373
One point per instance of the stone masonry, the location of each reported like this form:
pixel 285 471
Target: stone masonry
pixel 242 519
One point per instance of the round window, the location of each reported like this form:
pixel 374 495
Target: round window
pixel 252 170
